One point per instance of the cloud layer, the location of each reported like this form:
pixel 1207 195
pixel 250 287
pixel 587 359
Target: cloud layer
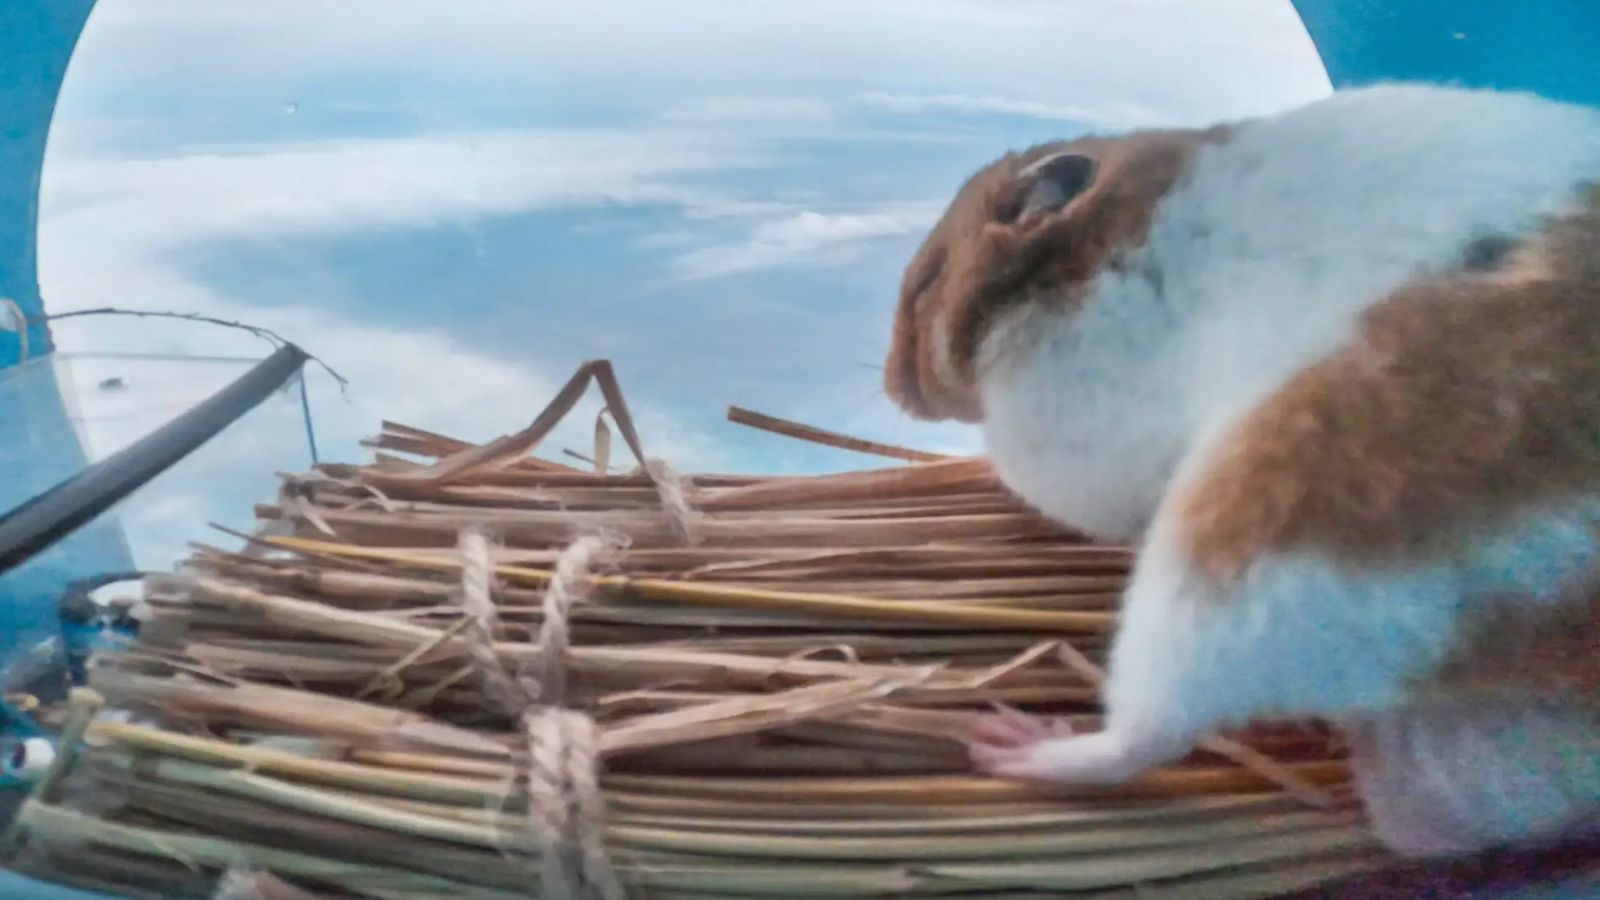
pixel 111 232
pixel 716 193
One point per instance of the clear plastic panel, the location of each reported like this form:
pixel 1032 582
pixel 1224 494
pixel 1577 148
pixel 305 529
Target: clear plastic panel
pixel 76 409
pixel 116 399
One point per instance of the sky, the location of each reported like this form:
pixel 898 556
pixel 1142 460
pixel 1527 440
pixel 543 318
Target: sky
pixel 453 203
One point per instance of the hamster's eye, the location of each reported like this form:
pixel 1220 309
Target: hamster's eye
pixel 1053 182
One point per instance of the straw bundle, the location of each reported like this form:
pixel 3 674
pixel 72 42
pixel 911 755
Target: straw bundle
pixel 475 673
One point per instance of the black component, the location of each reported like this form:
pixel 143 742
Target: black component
pixel 38 524
pixel 1057 181
pixel 1487 253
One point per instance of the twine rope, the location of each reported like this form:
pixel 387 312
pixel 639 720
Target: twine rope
pixel 560 773
pixel 674 492
pixel 477 603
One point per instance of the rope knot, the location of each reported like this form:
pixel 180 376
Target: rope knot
pixel 561 769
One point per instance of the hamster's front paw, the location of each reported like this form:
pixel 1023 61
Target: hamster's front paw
pixel 1013 745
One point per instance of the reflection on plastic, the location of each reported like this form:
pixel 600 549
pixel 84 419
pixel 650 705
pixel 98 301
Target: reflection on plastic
pixel 217 483
pixel 41 448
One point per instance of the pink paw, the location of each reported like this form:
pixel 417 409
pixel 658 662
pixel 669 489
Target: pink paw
pixel 1013 745
pixel 1007 743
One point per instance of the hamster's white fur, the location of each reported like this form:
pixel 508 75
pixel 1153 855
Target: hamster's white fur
pixel 1279 238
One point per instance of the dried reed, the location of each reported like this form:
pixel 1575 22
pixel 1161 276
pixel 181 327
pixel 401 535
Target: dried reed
pixel 775 672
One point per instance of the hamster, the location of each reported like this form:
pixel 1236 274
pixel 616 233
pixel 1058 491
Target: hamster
pixel 1337 372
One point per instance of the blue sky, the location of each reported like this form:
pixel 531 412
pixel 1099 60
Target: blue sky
pixel 454 202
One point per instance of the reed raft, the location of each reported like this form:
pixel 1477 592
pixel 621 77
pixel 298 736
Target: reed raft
pixel 466 671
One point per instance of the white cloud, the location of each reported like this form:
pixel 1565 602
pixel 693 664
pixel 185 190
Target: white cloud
pixel 746 110
pixel 812 229
pixel 330 187
pixel 447 62
pixel 1109 114
pixel 107 232
pixel 807 237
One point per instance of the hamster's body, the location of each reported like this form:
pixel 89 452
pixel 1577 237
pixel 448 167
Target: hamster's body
pixel 1338 370
pixel 1254 268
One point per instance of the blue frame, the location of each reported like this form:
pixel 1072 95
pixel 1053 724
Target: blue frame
pixel 1550 47
pixel 39 445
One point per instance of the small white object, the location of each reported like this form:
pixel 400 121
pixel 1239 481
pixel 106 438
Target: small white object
pixel 29 758
pixel 130 589
pixel 13 319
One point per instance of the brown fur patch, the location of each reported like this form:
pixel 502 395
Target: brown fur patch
pixel 1521 651
pixel 1463 400
pixel 976 263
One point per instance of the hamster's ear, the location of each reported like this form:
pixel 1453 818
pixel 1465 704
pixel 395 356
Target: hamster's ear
pixel 1053 182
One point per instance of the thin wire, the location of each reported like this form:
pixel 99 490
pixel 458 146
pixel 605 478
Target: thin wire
pixel 305 410
pixel 266 334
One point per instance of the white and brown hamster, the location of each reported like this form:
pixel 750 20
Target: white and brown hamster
pixel 1337 371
